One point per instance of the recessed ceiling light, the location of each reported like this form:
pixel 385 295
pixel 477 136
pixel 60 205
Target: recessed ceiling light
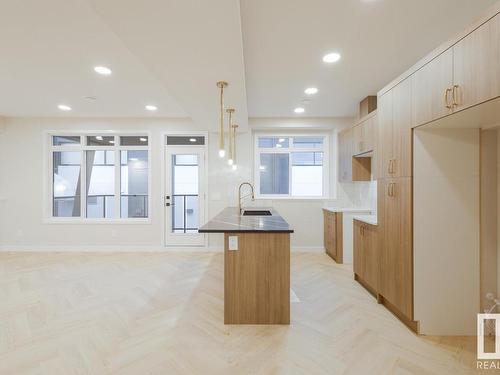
pixel 64 107
pixel 311 91
pixel 143 139
pixel 103 70
pixel 151 107
pixel 299 110
pixel 331 57
pixel 98 137
pixel 192 139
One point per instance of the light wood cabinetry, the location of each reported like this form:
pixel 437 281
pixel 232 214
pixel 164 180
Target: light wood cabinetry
pixel 464 75
pixel 461 74
pixel 345 155
pixel 384 137
pixel 396 251
pixel 332 227
pixel 367 105
pixel 366 255
pixel 363 134
pixel 431 86
pixel 476 66
pixel 257 279
pixel 394 135
pixel 401 130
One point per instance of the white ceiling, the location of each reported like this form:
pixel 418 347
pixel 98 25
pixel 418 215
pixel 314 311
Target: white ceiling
pixel 49 49
pixel 171 53
pixel 285 40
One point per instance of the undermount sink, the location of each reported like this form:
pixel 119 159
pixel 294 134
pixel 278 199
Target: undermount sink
pixel 257 213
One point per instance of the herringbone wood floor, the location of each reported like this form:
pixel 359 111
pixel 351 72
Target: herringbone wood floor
pixel 130 313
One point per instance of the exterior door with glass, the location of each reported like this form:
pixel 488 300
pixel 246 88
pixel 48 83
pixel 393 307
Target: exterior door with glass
pixel 185 195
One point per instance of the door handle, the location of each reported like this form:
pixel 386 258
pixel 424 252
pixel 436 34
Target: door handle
pixel 446 101
pixel 454 95
pixel 390 189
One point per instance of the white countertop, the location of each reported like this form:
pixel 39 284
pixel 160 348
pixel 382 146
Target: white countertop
pixel 368 219
pixel 347 209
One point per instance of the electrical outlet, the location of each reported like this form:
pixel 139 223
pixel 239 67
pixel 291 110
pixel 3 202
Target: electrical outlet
pixel 233 243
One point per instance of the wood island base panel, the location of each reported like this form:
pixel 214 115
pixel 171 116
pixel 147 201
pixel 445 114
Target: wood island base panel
pixel 257 279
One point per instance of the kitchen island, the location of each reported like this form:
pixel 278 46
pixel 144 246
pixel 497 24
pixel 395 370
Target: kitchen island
pixel 256 265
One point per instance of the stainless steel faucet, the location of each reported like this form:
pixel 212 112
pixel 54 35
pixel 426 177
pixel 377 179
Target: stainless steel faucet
pixel 240 198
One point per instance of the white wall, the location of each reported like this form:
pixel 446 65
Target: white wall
pixel 498 212
pixel 489 214
pixel 2 179
pixel 21 220
pixel 446 230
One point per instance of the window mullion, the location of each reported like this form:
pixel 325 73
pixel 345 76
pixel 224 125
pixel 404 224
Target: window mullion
pixel 290 174
pixel 83 186
pixel 118 166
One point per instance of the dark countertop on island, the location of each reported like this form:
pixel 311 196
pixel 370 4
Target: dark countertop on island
pixel 229 220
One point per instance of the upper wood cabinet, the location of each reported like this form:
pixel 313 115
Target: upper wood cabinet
pixel 346 151
pixel 476 66
pixel 394 139
pixel 431 87
pixel 384 135
pixel 401 165
pixel 396 250
pixel 466 74
pixel 363 135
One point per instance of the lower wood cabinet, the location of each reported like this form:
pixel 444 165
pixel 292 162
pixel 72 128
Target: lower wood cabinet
pixel 395 246
pixel 366 255
pixel 332 226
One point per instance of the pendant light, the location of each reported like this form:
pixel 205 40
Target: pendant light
pixel 230 111
pixel 221 85
pixel 233 148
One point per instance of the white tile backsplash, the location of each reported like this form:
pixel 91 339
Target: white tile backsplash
pixel 358 194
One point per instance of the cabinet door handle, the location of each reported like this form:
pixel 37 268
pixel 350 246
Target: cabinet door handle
pixel 446 101
pixel 393 189
pixel 390 168
pixel 454 95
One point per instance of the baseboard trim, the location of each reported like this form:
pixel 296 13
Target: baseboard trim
pixel 103 249
pixel 133 248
